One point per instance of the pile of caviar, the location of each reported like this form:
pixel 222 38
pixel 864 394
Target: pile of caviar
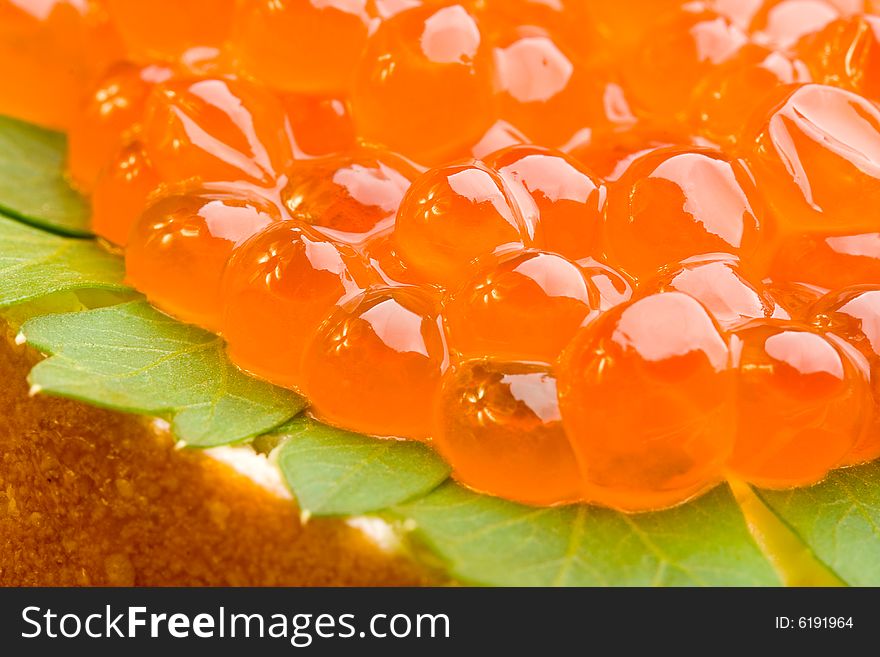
pixel 610 252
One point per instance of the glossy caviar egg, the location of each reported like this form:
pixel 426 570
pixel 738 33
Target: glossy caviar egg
pixel 781 23
pixel 538 79
pixel 109 118
pixel 121 192
pixel 672 204
pixel 383 254
pixel 216 130
pixel 165 29
pixel 854 314
pixel 424 86
pixel 673 59
pixel 180 246
pixel 624 24
pixel 441 206
pixel 49 51
pixel 829 261
pixel 304 46
pixel 525 306
pixel 846 54
pixel 500 135
pixel 278 289
pixel 816 157
pixel 321 125
pixel 646 393
pixel 350 197
pixel 802 403
pixel 794 300
pixel 498 425
pixel 737 87
pixel 717 282
pixel 375 367
pixel 612 286
pixel 567 200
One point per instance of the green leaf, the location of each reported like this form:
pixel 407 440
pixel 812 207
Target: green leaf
pixel 32 183
pixel 335 472
pixel 34 264
pixel 133 358
pixel 493 542
pixel 839 520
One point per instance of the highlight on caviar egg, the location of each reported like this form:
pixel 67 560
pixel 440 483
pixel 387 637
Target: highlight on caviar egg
pixel 498 425
pixel 804 403
pixel 589 252
pixel 178 249
pixel 647 398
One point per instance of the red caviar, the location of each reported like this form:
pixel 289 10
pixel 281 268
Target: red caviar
pixel 589 251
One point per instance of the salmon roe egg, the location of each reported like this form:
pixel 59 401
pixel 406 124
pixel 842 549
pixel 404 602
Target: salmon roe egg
pixel 674 58
pixel 526 306
pixel 537 79
pixel 442 206
pixel 110 118
pixel 348 198
pixel 717 282
pixel 278 289
pixel 612 286
pixel 795 299
pixel 49 51
pixel 557 195
pixel 424 86
pixel 646 393
pixel 498 425
pixel 737 88
pixel 165 29
pixel 304 46
pixel 321 125
pixel 216 130
pixel 854 314
pixel 121 191
pixel 816 157
pixel 846 54
pixel 376 365
pixel 803 401
pixel 181 244
pixel 673 204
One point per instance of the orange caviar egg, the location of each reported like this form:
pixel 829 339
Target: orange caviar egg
pixel 673 203
pixel 278 289
pixel 498 425
pixel 526 306
pixel 556 194
pixel 717 282
pixel 673 59
pixel 49 50
pixel 829 261
pixel 441 206
pixel 180 246
pixel 624 24
pixel 383 255
pixel 348 198
pixel 500 135
pixel 376 365
pixel 165 29
pixel 795 299
pixel 646 393
pixel 424 86
pixel 121 192
pixel 781 23
pixel 612 286
pixel 109 119
pixel 816 158
pixel 854 314
pixel 738 86
pixel 803 399
pixel 216 130
pixel 303 46
pixel 321 125
pixel 846 54
pixel 537 80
